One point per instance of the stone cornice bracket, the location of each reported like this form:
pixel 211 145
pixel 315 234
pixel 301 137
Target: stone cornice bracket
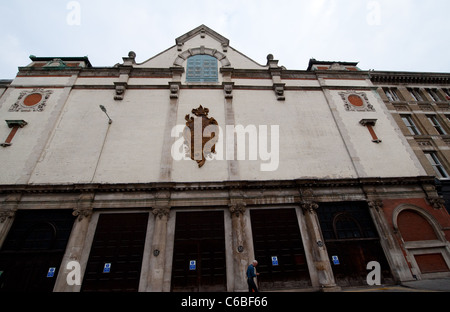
pixel 237 209
pixel 174 87
pixel 121 87
pixel 368 122
pixel 161 206
pixel 275 72
pixel 7 214
pixel 228 89
pixel 279 91
pixel 177 72
pixel 375 204
pixel 161 211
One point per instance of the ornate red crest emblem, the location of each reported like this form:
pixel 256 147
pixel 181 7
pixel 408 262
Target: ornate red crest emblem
pixel 200 135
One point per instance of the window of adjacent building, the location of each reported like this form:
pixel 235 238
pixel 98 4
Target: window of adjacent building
pixel 437 165
pixel 407 119
pixel 202 68
pixel 415 93
pixel 433 94
pixel 435 122
pixel 391 94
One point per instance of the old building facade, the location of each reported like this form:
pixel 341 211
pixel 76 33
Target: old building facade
pixel 104 188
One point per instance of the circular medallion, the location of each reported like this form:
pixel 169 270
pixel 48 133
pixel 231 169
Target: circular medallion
pixel 355 100
pixel 32 99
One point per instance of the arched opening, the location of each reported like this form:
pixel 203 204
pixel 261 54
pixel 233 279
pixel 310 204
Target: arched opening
pixel 202 68
pixel 414 227
pixel 352 242
pixel 219 56
pixel 423 241
pixel 346 227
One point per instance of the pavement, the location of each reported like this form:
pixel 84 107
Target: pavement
pixel 429 285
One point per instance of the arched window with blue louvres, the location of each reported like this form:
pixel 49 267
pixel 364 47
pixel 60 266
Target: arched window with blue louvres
pixel 202 68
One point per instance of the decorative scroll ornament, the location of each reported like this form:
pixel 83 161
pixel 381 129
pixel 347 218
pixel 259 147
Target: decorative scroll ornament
pixel 200 135
pixel 82 213
pixel 31 101
pixel 356 101
pixel 308 206
pixel 161 211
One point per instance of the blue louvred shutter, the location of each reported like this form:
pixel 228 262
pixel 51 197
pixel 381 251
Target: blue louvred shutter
pixel 202 68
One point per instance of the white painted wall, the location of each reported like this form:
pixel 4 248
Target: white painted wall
pixel 72 142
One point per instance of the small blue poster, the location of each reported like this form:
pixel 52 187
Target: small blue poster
pixel 51 272
pixel 192 265
pixel 274 260
pixel 107 268
pixel 335 260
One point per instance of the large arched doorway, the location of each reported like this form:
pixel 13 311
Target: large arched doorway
pixel 423 241
pixel 352 242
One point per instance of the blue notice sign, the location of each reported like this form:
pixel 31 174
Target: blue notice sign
pixel 274 260
pixel 51 272
pixel 107 268
pixel 192 265
pixel 335 260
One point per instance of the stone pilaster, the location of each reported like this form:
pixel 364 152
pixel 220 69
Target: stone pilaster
pixel 155 279
pixel 239 244
pixel 83 213
pixel 318 250
pixel 8 210
pixel 392 250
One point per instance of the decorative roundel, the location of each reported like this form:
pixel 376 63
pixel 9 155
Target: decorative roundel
pixel 355 100
pixel 32 99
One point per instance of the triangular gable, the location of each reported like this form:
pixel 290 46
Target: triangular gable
pixel 202 30
pixel 185 47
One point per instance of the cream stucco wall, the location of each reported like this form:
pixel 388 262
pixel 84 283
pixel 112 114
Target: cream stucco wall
pixel 72 142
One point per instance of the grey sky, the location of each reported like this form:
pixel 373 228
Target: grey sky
pixel 398 35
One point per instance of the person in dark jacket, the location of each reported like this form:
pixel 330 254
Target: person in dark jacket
pixel 251 274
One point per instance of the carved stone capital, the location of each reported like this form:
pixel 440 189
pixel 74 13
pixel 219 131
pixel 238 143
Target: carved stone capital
pixel 161 211
pixel 375 204
pixel 237 209
pixel 309 207
pixel 7 214
pixel 82 213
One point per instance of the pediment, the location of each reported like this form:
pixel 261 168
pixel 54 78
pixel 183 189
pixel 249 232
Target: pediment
pixel 201 40
pixel 202 30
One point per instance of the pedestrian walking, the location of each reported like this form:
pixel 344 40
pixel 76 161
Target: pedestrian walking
pixel 251 274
